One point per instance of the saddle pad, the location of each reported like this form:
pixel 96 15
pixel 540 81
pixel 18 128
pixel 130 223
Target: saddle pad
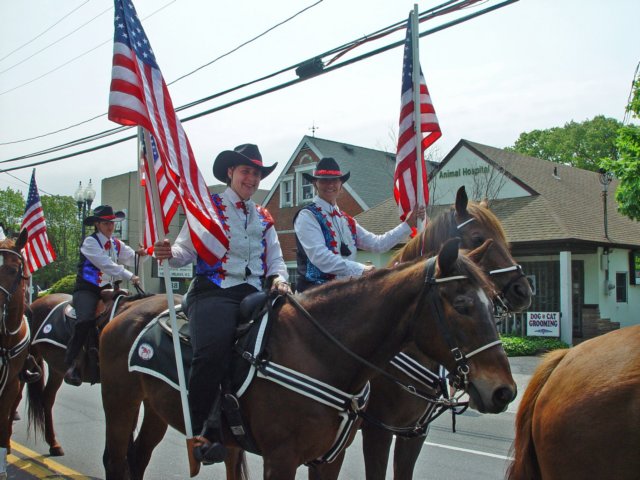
pixel 152 352
pixel 56 328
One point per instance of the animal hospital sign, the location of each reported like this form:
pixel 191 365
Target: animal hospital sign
pixel 465 171
pixel 543 324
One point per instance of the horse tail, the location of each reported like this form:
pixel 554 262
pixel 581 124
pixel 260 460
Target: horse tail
pixel 525 461
pixel 35 404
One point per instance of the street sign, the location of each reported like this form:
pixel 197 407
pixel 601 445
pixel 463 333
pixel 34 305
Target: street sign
pixel 180 272
pixel 543 324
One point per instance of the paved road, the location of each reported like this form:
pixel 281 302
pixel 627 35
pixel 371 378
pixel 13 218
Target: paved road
pixel 479 450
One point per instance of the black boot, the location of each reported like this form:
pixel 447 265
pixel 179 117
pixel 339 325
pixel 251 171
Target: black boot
pixel 31 372
pixel 208 447
pixel 73 376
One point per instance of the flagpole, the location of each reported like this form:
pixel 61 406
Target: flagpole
pixel 417 114
pixel 155 198
pixel 141 203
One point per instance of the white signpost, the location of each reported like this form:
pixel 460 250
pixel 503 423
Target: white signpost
pixel 543 324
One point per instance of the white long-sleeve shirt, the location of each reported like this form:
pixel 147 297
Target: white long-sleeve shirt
pixel 312 239
pixel 109 262
pixel 245 245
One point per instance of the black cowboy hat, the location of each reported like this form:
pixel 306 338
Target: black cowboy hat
pixel 104 213
pixel 327 168
pixel 247 154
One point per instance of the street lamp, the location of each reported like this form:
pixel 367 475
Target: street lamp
pixel 84 197
pixel 605 179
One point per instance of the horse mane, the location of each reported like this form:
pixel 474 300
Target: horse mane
pixel 439 231
pixel 137 296
pixel 525 461
pixel 8 243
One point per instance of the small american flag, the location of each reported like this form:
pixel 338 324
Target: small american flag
pixel 38 251
pixel 166 190
pixel 139 96
pixel 405 179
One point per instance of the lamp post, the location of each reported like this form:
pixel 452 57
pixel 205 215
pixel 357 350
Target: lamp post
pixel 84 197
pixel 605 179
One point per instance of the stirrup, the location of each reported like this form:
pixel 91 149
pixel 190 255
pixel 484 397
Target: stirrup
pixel 208 452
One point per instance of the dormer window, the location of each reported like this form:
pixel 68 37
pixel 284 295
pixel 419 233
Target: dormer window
pixel 286 191
pixel 304 191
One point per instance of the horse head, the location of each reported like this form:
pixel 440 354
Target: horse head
pixel 474 224
pixel 457 295
pixel 514 290
pixel 12 270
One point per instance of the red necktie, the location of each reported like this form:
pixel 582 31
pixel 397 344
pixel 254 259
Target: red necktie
pixel 107 245
pixel 335 213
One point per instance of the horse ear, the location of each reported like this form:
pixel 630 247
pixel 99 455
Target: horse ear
pixel 485 202
pixel 22 239
pixel 448 256
pixel 461 201
pixel 476 255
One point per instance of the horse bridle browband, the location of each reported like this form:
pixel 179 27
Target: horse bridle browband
pixel 9 293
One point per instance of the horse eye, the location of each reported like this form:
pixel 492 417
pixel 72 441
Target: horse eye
pixel 463 304
pixel 476 241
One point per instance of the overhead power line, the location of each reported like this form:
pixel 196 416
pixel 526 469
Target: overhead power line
pixel 45 31
pixel 174 81
pixel 277 87
pixel 447 7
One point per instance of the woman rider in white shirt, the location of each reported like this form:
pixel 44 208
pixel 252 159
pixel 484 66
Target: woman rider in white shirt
pixel 253 262
pixel 327 238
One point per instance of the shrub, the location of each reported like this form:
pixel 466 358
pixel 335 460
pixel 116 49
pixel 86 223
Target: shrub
pixel 521 346
pixel 64 285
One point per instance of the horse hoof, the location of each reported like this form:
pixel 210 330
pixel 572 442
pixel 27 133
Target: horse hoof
pixel 56 451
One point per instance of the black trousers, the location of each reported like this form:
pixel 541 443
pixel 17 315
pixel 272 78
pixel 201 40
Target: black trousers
pixel 213 316
pixel 85 302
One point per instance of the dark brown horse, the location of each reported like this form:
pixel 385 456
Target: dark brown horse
pixel 42 395
pixel 481 233
pixel 14 336
pixel 440 304
pixel 580 414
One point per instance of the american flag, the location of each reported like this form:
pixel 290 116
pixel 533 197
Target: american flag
pixel 38 251
pixel 139 96
pixel 406 173
pixel 167 193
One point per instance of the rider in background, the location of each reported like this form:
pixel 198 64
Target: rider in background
pixel 102 260
pixel 328 239
pixel 252 262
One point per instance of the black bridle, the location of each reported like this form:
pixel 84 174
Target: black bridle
pixel 10 292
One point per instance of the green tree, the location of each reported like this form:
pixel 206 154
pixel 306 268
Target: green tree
pixel 626 166
pixel 63 230
pixel 11 210
pixel 581 145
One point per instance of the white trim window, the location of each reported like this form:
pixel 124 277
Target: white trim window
pixel 286 191
pixel 304 191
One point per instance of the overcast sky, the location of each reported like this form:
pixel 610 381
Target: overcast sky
pixel 533 64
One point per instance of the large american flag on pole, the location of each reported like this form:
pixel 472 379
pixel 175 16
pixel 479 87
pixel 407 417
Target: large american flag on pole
pixel 38 251
pixel 139 96
pixel 405 179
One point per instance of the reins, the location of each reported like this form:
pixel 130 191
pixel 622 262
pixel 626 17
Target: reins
pixel 406 387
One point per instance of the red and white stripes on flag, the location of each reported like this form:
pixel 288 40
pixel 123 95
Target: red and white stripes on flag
pixel 166 191
pixel 405 179
pixel 38 251
pixel 139 96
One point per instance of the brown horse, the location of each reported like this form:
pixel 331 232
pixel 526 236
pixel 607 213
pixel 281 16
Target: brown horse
pixel 441 304
pixel 14 336
pixel 580 414
pixel 42 396
pixel 406 415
